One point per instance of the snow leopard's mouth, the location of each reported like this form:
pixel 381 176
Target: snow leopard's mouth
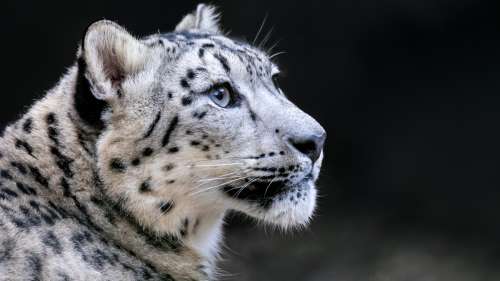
pixel 266 192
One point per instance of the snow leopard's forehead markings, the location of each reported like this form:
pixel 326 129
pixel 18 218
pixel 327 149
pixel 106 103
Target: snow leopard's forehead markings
pixel 256 62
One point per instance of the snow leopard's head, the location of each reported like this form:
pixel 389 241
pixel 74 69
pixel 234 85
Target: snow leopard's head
pixel 197 121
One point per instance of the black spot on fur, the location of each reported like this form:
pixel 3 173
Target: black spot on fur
pixel 200 115
pixel 184 229
pixel 8 192
pixel 34 266
pixel 5 174
pixel 39 177
pixel 79 240
pixel 168 167
pixel 34 205
pixel 135 162
pixel 28 125
pixel 65 187
pixel 201 52
pixel 99 258
pixel 50 118
pixel 20 167
pixel 83 141
pixel 252 115
pixel 170 181
pixel 6 249
pixel 186 100
pixel 117 165
pixel 20 144
pixel 21 188
pixel 62 161
pixel 152 126
pixel 184 83
pixel 147 151
pixel 170 95
pixel 58 209
pixel 53 133
pixel 223 61
pixel 173 149
pixel 208 45
pixel 145 187
pixel 26 189
pixel 51 240
pixel 205 148
pixel 195 143
pixel 170 129
pixel 190 74
pixel 166 206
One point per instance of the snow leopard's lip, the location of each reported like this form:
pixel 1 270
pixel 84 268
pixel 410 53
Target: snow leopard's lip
pixel 268 191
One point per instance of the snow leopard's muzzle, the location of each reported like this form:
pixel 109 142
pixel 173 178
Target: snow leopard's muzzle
pixel 281 189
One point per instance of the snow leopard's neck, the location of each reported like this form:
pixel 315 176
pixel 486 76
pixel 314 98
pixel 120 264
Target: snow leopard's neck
pixel 54 147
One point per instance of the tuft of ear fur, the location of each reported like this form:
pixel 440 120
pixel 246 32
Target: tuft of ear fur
pixel 110 54
pixel 205 18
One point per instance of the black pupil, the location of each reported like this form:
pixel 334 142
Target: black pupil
pixel 220 94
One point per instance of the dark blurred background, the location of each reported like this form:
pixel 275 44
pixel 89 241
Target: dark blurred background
pixel 408 92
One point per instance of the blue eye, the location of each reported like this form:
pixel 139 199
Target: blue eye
pixel 221 96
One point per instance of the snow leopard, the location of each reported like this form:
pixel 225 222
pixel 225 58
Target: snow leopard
pixel 127 167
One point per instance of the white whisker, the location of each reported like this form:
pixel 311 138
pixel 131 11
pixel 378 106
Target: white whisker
pixel 244 186
pixel 265 192
pixel 225 176
pixel 266 38
pixel 270 49
pixel 218 178
pixel 212 187
pixel 215 165
pixel 260 29
pixel 276 54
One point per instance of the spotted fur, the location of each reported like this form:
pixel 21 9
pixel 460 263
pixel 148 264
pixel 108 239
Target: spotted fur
pixel 126 168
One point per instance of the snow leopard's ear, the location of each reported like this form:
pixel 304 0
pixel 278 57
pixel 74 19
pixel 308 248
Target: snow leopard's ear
pixel 110 54
pixel 205 18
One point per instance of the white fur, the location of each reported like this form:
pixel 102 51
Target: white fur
pixel 138 78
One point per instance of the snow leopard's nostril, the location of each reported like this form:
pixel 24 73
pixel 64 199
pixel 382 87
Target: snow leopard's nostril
pixel 309 145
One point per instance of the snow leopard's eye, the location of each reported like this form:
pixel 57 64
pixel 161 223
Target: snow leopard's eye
pixel 222 95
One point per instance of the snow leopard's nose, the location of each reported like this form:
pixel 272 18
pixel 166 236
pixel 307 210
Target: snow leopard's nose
pixel 310 145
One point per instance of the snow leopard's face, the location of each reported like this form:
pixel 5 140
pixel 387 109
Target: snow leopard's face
pixel 198 119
